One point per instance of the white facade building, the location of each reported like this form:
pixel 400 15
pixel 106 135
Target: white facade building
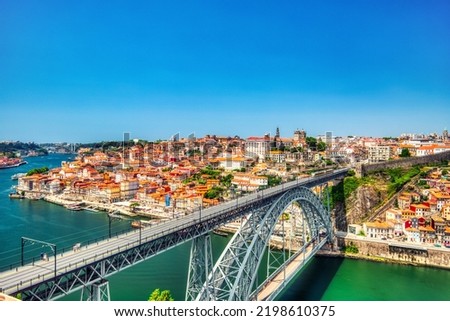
pixel 257 147
pixel 379 153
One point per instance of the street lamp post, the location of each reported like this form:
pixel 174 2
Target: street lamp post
pixel 200 213
pixel 111 217
pixel 140 234
pixel 25 240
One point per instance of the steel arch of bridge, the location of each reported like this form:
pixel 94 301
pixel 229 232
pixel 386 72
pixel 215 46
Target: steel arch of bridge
pixel 234 276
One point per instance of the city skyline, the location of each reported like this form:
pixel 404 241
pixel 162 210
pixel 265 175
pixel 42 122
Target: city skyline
pixel 90 71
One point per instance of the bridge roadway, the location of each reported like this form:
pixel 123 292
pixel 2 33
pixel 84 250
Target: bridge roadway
pixel 273 286
pixel 134 246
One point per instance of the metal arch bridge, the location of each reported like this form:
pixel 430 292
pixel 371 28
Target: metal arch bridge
pixel 232 278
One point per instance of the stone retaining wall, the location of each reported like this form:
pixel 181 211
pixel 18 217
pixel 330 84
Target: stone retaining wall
pixel 384 251
pixel 405 162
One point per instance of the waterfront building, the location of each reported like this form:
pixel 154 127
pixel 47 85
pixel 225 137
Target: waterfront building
pixel 446 238
pixel 412 234
pixel 128 189
pixel 427 234
pixel 379 230
pixel 438 224
pixel 55 186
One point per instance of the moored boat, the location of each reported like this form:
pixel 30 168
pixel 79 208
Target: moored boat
pixel 136 224
pixel 16 195
pixel 11 162
pixel 18 175
pixel 220 233
pixel 140 223
pixel 73 207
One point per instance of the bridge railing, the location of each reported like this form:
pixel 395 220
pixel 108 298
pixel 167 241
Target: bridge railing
pixel 36 258
pixel 206 214
pixel 308 254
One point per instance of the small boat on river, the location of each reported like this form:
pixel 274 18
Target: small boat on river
pixel 220 233
pixel 18 175
pixel 140 223
pixel 74 207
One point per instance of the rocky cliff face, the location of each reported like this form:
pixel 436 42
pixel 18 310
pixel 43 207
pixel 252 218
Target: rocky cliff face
pixel 360 203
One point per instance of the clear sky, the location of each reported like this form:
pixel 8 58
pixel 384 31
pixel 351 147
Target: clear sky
pixel 86 70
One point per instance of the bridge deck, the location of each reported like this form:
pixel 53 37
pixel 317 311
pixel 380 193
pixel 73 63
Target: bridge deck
pixel 33 275
pixel 279 280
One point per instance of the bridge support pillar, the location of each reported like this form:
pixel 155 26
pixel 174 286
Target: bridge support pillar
pixel 200 265
pixel 98 291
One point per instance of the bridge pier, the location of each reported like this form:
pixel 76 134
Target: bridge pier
pixel 200 265
pixel 98 291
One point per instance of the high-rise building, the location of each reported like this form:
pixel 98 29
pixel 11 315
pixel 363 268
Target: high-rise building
pixel 329 139
pixel 126 139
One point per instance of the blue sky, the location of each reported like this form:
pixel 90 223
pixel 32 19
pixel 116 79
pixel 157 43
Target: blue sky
pixel 90 70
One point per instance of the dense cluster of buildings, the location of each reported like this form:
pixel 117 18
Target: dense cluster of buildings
pixel 421 216
pixel 170 176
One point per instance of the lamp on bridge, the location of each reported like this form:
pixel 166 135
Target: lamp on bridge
pixel 112 216
pixel 25 240
pixel 201 206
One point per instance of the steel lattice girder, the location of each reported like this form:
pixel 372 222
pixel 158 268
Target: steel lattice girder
pixel 72 280
pixel 234 275
pixel 200 265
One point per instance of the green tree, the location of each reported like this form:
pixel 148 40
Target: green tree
pixel 321 146
pixel 405 153
pixel 133 206
pixel 226 180
pixel 158 295
pixel 273 180
pixel 214 192
pixel 37 171
pixel 311 142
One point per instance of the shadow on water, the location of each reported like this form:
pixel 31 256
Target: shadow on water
pixel 311 283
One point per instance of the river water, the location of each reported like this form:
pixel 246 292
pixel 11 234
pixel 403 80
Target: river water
pixel 331 279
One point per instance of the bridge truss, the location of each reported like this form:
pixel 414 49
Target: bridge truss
pixel 234 277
